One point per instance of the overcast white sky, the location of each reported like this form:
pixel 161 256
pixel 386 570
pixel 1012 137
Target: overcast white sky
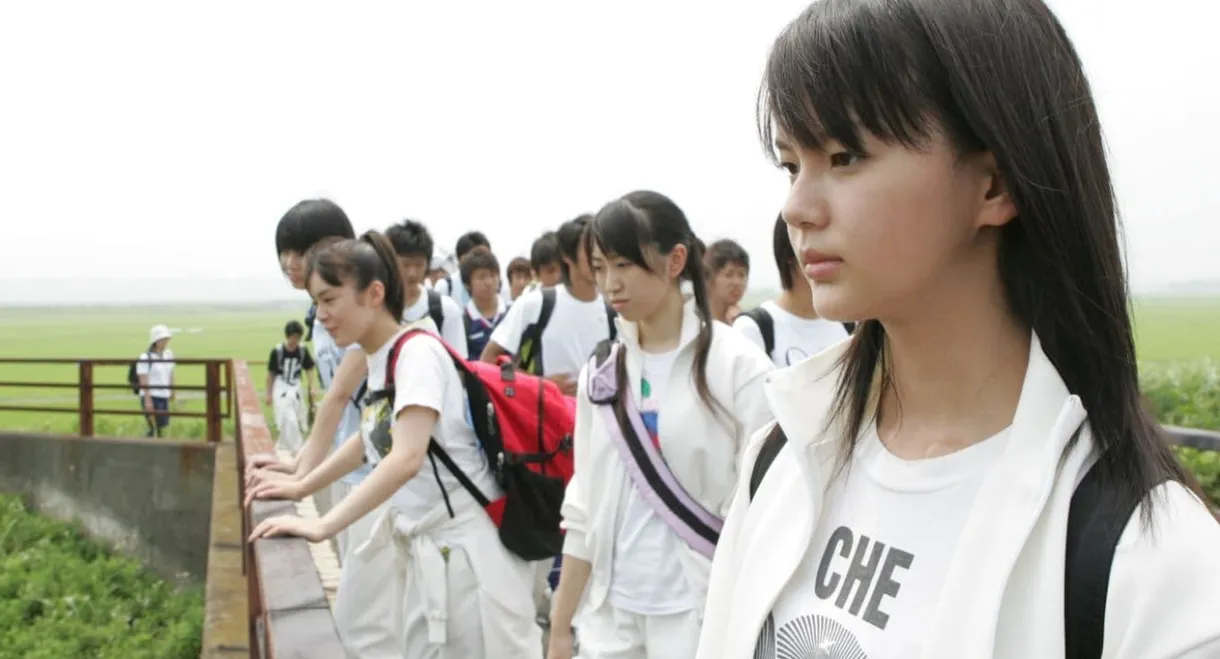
pixel 167 138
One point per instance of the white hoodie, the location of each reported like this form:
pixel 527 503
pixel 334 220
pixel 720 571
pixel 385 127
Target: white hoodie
pixel 703 451
pixel 1003 595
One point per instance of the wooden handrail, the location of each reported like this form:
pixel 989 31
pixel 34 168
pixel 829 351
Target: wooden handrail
pixel 290 616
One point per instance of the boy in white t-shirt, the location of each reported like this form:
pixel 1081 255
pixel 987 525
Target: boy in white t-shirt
pixel 788 328
pixel 427 308
pixel 155 373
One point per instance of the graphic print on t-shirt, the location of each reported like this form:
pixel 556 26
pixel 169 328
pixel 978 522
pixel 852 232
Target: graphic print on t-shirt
pixel 855 574
pixel 648 412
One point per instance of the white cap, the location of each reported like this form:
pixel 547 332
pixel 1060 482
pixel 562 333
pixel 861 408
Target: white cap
pixel 443 260
pixel 158 332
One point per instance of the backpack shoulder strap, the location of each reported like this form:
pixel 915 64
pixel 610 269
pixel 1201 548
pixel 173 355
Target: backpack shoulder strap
pixel 771 447
pixel 603 377
pixel 766 326
pixel 611 314
pixel 548 308
pixel 1096 520
pixel 435 309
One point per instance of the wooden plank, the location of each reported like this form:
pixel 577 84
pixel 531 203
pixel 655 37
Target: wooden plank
pixel 296 620
pixel 288 576
pixel 303 634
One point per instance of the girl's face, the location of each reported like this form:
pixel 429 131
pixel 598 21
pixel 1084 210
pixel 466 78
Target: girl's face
pixel 292 264
pixel 634 292
pixel 729 285
pixel 347 314
pixel 891 231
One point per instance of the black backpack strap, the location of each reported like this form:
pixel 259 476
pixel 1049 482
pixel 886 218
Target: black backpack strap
pixel 766 326
pixel 849 326
pixel 435 310
pixel 771 447
pixel 611 314
pixel 532 362
pixel 1096 520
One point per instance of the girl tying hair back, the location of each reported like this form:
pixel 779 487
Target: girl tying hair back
pixel 949 181
pixel 661 417
pixel 462 594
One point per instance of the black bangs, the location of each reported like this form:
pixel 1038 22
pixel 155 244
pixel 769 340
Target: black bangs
pixel 849 68
pixel 620 229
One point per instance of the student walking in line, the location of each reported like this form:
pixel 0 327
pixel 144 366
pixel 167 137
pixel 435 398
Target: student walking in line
pixel 481 277
pixel 462 594
pixel 452 286
pixel 520 275
pixel 367 624
pixel 662 414
pixel 788 328
pixel 728 275
pixel 551 332
pixel 288 366
pixel 546 261
pixel 424 308
pixel 154 372
pixel 973 474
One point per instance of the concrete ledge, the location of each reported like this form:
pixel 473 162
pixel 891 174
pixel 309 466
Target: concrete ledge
pixel 226 624
pixel 147 498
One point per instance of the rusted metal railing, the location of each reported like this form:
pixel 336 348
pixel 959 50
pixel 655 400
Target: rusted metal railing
pixel 217 391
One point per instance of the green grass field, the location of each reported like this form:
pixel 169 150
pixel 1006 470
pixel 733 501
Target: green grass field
pixel 1168 332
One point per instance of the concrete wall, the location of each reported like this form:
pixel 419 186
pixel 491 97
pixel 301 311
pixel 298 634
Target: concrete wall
pixel 150 499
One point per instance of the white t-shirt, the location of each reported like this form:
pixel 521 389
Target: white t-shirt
pixel 452 328
pixel 880 554
pixel 795 338
pixel 327 356
pixel 425 375
pixel 647 576
pixel 160 373
pixel 574 330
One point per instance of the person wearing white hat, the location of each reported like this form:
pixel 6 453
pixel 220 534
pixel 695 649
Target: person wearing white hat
pixel 155 372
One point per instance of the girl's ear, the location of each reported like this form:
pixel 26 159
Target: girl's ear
pixel 374 295
pixel 675 261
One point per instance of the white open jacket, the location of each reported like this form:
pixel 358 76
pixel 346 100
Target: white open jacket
pixel 1003 595
pixel 703 451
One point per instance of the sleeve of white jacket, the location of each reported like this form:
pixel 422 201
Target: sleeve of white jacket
pixel 750 407
pixel 722 582
pixel 575 510
pixel 1164 585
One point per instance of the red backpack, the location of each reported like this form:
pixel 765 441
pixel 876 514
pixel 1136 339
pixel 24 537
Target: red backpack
pixel 524 425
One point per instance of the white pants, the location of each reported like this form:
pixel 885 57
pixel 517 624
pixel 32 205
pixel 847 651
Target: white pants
pixel 368 603
pixel 291 419
pixel 542 588
pixel 611 633
pixel 463 595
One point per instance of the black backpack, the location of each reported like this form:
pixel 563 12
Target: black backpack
pixel 133 378
pixel 1096 519
pixel 529 353
pixel 766 326
pixel 436 312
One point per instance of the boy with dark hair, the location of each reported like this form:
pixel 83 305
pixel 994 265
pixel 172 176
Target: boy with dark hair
pixel 364 610
pixel 481 276
pixel 467 243
pixel 788 328
pixel 288 366
pixel 427 308
pixel 728 274
pixel 545 260
pixel 519 274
